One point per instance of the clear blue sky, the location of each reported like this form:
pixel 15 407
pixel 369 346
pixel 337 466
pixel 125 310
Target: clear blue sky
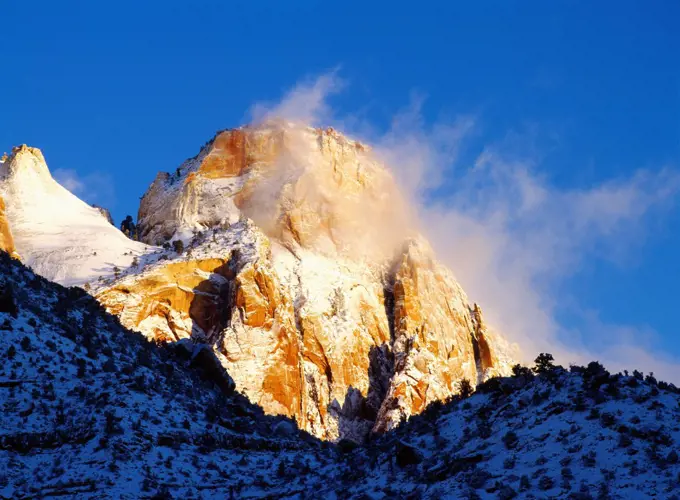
pixel 132 88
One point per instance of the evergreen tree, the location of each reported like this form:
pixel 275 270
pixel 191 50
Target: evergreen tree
pixel 465 388
pixel 178 246
pixel 544 363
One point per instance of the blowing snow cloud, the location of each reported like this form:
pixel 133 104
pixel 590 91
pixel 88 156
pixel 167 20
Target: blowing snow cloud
pixel 511 237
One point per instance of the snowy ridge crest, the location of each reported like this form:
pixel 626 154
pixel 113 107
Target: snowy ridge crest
pixel 57 234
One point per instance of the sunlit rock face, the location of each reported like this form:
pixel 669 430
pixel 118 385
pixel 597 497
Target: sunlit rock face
pixel 304 187
pixel 300 269
pixel 6 240
pixel 439 338
pixel 167 302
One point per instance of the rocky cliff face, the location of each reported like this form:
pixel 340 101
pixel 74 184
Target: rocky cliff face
pixel 6 240
pixel 439 338
pixel 289 251
pixel 104 213
pixel 306 188
pixel 301 272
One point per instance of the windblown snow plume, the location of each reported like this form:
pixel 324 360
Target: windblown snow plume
pixel 511 237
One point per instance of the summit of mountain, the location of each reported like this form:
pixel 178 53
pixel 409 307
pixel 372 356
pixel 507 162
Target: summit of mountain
pixel 54 232
pixel 290 252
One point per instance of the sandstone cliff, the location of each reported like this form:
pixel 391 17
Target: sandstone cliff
pixel 301 271
pixel 306 188
pixel 6 240
pixel 290 252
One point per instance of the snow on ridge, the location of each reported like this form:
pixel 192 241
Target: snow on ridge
pixel 93 411
pixel 57 234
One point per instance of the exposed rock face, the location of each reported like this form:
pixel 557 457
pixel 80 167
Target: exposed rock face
pixel 105 213
pixel 440 339
pixel 6 240
pixel 173 300
pixel 302 275
pixel 299 270
pixel 303 345
pixel 304 187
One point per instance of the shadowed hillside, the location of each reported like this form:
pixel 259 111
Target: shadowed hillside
pixel 92 410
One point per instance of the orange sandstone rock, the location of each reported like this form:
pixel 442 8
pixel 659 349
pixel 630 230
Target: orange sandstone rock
pixel 6 240
pixel 320 311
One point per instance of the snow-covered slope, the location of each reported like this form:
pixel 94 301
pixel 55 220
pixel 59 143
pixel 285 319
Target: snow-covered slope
pixel 55 233
pixel 582 434
pixel 91 410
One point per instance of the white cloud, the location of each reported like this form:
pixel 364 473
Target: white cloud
pixel 418 155
pixel 95 187
pixel 511 237
pixel 69 179
pixel 306 103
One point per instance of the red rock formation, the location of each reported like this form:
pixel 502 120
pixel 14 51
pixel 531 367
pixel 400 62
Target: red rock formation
pixel 440 339
pixel 172 299
pixel 314 304
pixel 6 240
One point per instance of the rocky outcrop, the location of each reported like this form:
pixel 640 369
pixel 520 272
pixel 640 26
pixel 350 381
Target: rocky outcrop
pixel 173 301
pixel 304 187
pixel 322 359
pixel 340 346
pixel 298 266
pixel 440 338
pixel 21 150
pixel 305 278
pixel 105 213
pixel 6 240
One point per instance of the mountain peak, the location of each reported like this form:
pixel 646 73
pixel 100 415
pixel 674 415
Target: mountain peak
pixel 293 256
pixel 24 159
pixel 24 148
pixel 307 188
pixel 60 236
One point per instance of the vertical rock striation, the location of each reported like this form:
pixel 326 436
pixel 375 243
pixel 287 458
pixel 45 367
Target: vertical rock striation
pixel 6 240
pixel 330 310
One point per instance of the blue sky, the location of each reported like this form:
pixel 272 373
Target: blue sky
pixel 578 95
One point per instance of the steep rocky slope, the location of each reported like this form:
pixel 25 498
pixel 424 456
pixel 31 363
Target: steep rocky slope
pixel 6 238
pixel 57 234
pixel 302 271
pixel 290 252
pixel 92 410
